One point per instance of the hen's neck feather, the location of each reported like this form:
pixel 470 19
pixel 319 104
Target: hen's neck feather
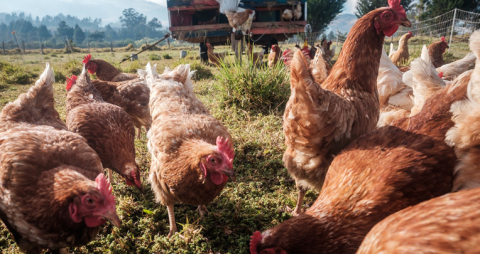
pixel 358 62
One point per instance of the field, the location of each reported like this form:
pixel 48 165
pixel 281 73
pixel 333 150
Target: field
pixel 262 197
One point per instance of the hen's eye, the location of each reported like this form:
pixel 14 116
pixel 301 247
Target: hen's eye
pixel 90 201
pixel 388 15
pixel 212 160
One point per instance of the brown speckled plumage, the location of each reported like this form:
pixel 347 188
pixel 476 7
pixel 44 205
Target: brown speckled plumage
pixel 42 169
pixel 131 95
pixel 401 55
pixel 377 175
pixel 107 128
pixel 34 107
pixel 182 133
pixel 447 224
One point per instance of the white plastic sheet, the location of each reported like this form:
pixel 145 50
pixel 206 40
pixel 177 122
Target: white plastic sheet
pixel 228 5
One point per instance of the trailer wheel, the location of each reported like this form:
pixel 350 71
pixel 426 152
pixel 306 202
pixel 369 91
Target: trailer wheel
pixel 203 52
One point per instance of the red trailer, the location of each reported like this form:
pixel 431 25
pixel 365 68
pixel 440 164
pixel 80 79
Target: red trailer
pixel 200 21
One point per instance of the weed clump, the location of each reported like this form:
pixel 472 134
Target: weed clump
pixel 254 88
pixel 166 56
pixel 154 57
pixel 15 74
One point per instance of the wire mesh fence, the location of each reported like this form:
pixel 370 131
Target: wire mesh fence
pixel 456 26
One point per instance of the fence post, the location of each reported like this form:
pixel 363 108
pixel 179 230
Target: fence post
pixel 111 46
pixel 3 45
pixel 41 48
pixel 23 46
pixel 453 26
pixel 88 43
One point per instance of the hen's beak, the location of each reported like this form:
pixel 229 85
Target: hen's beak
pixel 405 23
pixel 112 216
pixel 230 173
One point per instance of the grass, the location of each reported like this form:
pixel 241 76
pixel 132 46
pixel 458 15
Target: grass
pixel 263 195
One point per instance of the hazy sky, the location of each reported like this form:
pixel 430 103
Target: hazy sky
pixel 108 10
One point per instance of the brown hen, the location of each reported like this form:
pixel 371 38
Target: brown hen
pixel 321 119
pixel 378 174
pixel 107 128
pixel 105 71
pixel 447 224
pixel 192 152
pixel 436 50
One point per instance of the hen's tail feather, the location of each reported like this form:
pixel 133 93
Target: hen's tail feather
pixel 426 81
pixel 300 75
pixel 318 67
pixel 181 74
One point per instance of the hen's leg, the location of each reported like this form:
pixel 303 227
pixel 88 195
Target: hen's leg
pixel 202 210
pixel 171 219
pixel 139 131
pixel 110 177
pixel 301 193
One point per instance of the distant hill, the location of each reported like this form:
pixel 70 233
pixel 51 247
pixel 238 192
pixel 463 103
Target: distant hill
pixel 343 22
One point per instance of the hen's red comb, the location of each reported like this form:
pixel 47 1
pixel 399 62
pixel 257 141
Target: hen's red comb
pixel 254 241
pixel 409 32
pixel 443 38
pixel 71 81
pixel 395 5
pixel 440 75
pixel 87 58
pixel 105 188
pixel 226 148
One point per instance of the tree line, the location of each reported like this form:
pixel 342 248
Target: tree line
pixel 134 27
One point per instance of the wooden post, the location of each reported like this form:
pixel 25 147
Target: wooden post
pixel 234 45
pixel 41 48
pixel 23 46
pixel 3 44
pixel 168 42
pixel 111 46
pixel 88 43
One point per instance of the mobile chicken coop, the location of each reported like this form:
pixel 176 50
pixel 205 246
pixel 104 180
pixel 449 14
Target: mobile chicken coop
pixel 202 21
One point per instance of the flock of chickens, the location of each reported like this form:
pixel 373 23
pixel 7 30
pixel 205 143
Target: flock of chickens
pixel 383 185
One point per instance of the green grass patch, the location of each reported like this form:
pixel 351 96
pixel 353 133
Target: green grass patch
pixel 253 87
pixel 15 74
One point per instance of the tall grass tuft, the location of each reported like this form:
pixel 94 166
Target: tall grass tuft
pixel 256 88
pixel 15 74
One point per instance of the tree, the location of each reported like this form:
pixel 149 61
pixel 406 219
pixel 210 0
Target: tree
pixel 64 30
pixel 78 35
pixel 331 36
pixel 43 32
pixel 155 24
pixel 132 19
pixel 433 8
pixel 366 6
pixel 322 12
pixel 110 34
pixel 97 36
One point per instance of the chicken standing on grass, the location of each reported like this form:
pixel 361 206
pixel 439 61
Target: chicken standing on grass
pixel 321 119
pixel 105 71
pixel 52 191
pixel 378 174
pixel 192 152
pixel 436 51
pixel 215 58
pixel 447 224
pixel 400 55
pixel 274 55
pixel 107 128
